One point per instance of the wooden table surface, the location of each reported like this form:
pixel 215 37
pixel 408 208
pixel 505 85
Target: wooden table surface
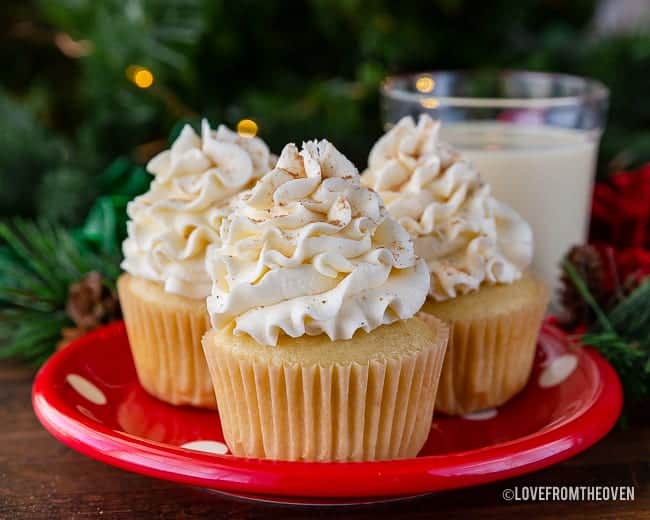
pixel 41 478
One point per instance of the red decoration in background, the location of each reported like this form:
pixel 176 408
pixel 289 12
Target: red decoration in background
pixel 620 214
pixel 620 226
pixel 634 263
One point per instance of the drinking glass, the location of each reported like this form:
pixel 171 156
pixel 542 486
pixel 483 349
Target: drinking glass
pixel 533 136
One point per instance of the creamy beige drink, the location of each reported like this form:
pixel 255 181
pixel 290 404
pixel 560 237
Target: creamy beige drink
pixel 544 173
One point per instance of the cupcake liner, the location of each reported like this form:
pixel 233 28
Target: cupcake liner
pixel 488 361
pixel 165 340
pixel 336 411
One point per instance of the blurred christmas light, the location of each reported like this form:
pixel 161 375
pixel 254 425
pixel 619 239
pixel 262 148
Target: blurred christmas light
pixel 425 84
pixel 429 102
pixel 247 128
pixel 140 76
pixel 143 78
pixel 72 48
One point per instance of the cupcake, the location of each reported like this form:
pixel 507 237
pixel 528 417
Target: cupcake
pixel 477 250
pixel 165 285
pixel 315 352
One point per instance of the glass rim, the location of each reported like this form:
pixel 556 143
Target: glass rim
pixel 594 90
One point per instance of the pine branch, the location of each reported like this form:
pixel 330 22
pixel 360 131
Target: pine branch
pixel 30 335
pixel 582 288
pixel 623 336
pixel 38 265
pixel 631 317
pixel 31 248
pixel 10 269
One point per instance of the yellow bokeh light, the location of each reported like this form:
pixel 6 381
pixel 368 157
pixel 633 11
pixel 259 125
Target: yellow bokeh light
pixel 425 84
pixel 143 78
pixel 429 102
pixel 140 76
pixel 247 128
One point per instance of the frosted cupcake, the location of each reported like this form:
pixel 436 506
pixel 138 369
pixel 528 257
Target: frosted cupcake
pixel 315 352
pixel 477 250
pixel 164 289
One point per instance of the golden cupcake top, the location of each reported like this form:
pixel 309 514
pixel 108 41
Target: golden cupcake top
pixel 466 236
pixel 172 224
pixel 310 251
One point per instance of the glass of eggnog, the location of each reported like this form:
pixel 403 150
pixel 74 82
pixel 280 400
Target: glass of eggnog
pixel 533 136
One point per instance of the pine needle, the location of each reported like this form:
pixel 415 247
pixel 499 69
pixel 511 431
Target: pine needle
pixel 38 264
pixel 586 294
pixel 631 317
pixel 622 336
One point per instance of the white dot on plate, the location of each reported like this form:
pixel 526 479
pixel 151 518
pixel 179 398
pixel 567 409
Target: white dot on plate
pixel 207 446
pixel 558 370
pixel 86 389
pixel 483 415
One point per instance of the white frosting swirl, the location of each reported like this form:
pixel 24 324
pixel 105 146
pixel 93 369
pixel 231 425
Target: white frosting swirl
pixel 311 251
pixel 172 224
pixel 466 236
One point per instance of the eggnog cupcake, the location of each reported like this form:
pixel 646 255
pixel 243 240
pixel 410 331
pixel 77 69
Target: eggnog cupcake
pixel 315 352
pixel 477 250
pixel 165 285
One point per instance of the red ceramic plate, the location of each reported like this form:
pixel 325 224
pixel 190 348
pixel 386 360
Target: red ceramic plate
pixel 88 397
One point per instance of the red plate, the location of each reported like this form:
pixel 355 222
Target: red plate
pixel 88 397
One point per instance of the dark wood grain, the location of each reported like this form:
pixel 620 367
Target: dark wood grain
pixel 40 478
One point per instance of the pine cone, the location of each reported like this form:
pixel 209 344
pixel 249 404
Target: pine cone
pixel 90 304
pixel 588 264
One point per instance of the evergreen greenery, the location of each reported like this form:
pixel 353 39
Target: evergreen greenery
pixel 300 69
pixel 37 266
pixel 622 335
pixel 39 262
